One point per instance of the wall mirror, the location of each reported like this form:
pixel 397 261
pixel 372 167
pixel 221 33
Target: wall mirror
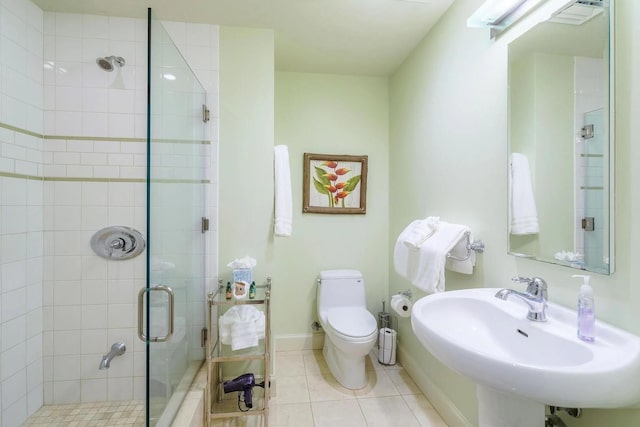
pixel 560 139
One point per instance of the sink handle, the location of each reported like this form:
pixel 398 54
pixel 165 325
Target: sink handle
pixel 536 286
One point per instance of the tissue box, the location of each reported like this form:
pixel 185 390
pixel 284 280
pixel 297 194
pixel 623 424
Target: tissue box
pixel 242 275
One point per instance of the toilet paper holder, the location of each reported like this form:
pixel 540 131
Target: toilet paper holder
pixel 406 293
pixel 402 303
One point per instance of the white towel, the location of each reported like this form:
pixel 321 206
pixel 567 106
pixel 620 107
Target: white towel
pixel 242 326
pixel 425 267
pixel 405 260
pixel 523 213
pixel 420 230
pixel 283 223
pixel 243 335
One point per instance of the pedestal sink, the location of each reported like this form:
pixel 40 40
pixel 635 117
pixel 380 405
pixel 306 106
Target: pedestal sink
pixel 492 342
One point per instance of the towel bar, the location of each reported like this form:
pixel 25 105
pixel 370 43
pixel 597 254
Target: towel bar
pixel 477 246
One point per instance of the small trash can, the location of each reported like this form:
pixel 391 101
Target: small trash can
pixel 387 346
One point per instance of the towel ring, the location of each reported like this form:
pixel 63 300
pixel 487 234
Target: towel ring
pixel 476 246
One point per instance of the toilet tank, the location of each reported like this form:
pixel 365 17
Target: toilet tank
pixel 340 288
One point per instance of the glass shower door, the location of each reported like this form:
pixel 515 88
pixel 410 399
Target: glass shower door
pixel 595 185
pixel 173 309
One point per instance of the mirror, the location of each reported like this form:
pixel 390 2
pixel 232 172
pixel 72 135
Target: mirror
pixel 560 144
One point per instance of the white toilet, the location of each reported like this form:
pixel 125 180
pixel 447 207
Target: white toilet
pixel 350 330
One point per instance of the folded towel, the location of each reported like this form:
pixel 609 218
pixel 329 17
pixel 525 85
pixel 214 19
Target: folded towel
pixel 523 213
pixel 243 335
pixel 424 268
pixel 420 230
pixel 242 326
pixel 283 223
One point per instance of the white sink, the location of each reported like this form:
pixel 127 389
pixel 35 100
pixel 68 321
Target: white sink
pixel 492 342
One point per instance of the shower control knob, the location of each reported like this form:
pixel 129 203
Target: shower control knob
pixel 117 242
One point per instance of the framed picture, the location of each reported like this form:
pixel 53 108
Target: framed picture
pixel 334 184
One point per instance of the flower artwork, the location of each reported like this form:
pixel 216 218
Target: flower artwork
pixel 334 183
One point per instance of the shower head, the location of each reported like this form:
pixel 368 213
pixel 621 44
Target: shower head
pixel 108 63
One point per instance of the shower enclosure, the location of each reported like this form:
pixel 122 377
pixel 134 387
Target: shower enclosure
pixel 101 125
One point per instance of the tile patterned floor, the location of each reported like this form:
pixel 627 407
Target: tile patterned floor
pixel 307 395
pixel 103 414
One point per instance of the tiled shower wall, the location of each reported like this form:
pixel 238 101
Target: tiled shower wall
pixel 72 160
pixel 21 197
pixel 95 164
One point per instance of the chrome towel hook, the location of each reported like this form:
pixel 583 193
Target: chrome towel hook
pixel 476 246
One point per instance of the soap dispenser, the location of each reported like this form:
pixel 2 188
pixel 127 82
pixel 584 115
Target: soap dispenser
pixel 586 311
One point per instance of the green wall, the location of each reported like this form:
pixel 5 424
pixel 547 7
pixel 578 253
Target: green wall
pixel 448 133
pixel 245 176
pixel 331 114
pixel 541 126
pixel 314 113
pixel 448 111
pixel 554 147
pixel 436 136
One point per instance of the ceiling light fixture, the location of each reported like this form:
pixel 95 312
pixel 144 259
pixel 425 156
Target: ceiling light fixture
pixel 577 12
pixel 499 14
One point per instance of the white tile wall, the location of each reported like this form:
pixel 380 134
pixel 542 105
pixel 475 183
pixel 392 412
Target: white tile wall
pixel 61 307
pixel 103 105
pixel 100 125
pixel 21 200
pixel 21 29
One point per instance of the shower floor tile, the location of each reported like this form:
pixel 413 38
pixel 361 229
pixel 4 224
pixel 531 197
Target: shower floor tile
pixel 104 414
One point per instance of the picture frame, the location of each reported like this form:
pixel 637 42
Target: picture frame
pixel 334 184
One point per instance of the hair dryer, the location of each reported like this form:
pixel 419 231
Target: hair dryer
pixel 243 385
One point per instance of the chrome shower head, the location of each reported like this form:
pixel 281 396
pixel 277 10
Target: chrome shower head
pixel 108 63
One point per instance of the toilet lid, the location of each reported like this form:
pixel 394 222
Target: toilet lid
pixel 352 321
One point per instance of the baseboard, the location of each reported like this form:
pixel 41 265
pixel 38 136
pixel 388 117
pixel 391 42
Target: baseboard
pixel 298 342
pixel 447 410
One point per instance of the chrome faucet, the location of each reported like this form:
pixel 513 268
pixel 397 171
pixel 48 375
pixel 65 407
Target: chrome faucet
pixel 117 349
pixel 535 296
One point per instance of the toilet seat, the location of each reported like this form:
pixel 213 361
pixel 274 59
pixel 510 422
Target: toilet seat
pixel 352 322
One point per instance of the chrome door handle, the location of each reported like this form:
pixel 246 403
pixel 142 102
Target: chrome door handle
pixel 169 292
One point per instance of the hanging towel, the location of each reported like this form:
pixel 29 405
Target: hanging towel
pixel 434 256
pixel 405 260
pixel 523 213
pixel 420 230
pixel 283 223
pixel 242 326
pixel 424 268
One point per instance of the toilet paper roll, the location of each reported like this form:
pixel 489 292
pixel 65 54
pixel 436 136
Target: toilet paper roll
pixel 401 305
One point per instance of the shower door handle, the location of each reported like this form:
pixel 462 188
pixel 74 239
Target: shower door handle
pixel 141 333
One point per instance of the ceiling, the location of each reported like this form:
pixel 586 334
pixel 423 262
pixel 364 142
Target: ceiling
pixel 366 37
